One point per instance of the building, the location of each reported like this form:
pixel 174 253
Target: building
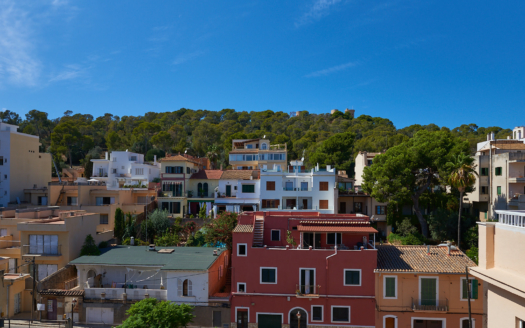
pixel 500 184
pixel 238 191
pixel 321 278
pixel 22 165
pixel 425 287
pixel 298 189
pixel 123 275
pixel 125 170
pixel 202 186
pixel 501 267
pixel 254 154
pixel 16 298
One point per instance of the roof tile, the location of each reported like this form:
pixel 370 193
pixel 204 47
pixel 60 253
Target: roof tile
pixel 207 175
pixel 243 228
pixel 239 175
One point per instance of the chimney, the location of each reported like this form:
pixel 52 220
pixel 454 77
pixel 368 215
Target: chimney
pixel 488 137
pixel 107 157
pixel 155 159
pixel 132 241
pixel 428 249
pixel 448 248
pixel 492 136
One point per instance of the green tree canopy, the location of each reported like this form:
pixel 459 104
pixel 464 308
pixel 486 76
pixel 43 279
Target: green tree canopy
pixel 336 150
pixel 89 247
pixel 118 231
pixel 220 230
pixel 150 312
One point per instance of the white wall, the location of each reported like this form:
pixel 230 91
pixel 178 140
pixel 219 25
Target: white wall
pixel 199 280
pixel 139 275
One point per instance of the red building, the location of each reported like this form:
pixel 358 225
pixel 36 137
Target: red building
pixel 325 279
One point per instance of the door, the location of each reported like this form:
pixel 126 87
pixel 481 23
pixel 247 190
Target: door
pixel 291 203
pixel 289 186
pixel 308 239
pixel 269 320
pixel 305 204
pixel 217 319
pixel 228 191
pixel 358 207
pixel 428 324
pixel 390 323
pixel 342 207
pixel 99 315
pixel 428 291
pixel 12 265
pixel 18 299
pixel 307 281
pixel 295 322
pixel 51 309
pixel 242 318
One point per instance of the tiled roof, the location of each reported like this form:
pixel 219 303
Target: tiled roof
pixel 177 158
pixel 207 174
pixel 243 228
pixel 62 292
pixel 338 228
pixel 338 222
pixel 239 175
pixel 416 259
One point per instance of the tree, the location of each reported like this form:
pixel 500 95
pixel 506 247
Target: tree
pixel 89 247
pixel 159 221
pixel 408 170
pixel 220 230
pixel 162 140
pixel 167 239
pixel 129 227
pixel 462 177
pixel 145 130
pixel 118 230
pixel 336 150
pixel 64 139
pixel 150 312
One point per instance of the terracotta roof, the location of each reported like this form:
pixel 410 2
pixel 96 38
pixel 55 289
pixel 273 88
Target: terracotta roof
pixel 244 151
pixel 61 292
pixel 177 158
pixel 363 222
pixel 325 228
pixel 243 228
pixel 416 259
pixel 207 174
pixel 239 175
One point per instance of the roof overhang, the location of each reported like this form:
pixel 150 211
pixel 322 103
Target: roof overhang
pixel 332 228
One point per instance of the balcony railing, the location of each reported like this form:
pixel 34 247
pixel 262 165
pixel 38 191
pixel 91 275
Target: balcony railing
pixel 42 250
pixel 8 243
pixel 512 218
pixel 431 305
pixel 307 291
pixel 296 189
pixel 132 294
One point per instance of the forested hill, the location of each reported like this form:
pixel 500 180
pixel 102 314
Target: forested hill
pixel 325 138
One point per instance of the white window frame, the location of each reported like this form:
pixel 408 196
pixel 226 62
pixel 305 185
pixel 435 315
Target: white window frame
pixel 312 311
pixel 340 306
pixel 245 248
pixel 267 283
pixel 271 234
pixel 360 277
pixel 384 287
pixel 315 275
pixel 243 308
pixel 241 283
pixel 466 318
pixel 461 290
pixel 390 316
pixel 268 313
pixel 437 289
pixel 443 320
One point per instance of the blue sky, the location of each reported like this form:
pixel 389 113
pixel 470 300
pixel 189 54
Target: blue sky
pixel 443 62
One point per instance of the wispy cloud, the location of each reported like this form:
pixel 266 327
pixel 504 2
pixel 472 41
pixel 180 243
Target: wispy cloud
pixel 182 58
pixel 318 10
pixel 331 70
pixel 70 72
pixel 18 63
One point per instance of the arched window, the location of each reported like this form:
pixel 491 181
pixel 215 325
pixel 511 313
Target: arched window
pixel 205 189
pixel 199 189
pixel 185 287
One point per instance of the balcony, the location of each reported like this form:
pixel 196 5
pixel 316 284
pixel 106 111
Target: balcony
pixel 42 250
pixel 307 291
pixel 429 305
pixel 517 179
pixel 8 247
pixel 117 294
pixel 296 189
pixel 517 199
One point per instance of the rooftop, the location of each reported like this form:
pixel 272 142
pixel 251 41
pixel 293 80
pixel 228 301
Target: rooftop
pixel 207 175
pixel 415 259
pixel 183 258
pixel 239 175
pixel 243 228
pixel 179 157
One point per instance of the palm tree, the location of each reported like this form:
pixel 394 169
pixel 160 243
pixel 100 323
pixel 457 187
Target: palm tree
pixel 462 177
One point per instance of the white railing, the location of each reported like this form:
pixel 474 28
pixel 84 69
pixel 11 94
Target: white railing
pixel 512 218
pixel 132 294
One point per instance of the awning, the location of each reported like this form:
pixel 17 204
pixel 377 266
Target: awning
pixel 331 228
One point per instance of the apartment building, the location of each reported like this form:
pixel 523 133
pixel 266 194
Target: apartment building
pixel 122 275
pixel 15 297
pixel 426 287
pixel 500 184
pixel 22 165
pixel 295 188
pixel 302 269
pixel 202 190
pixel 125 170
pixel 254 154
pixel 238 191
pixel 502 268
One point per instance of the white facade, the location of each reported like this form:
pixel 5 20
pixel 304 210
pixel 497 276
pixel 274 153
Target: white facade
pixel 124 170
pixel 231 198
pixel 298 189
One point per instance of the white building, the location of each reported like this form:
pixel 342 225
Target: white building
pixel 124 170
pixel 238 191
pixel 299 189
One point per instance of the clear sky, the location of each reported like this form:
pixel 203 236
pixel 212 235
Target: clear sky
pixel 443 62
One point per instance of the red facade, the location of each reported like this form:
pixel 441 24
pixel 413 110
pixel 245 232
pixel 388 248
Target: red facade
pixel 273 281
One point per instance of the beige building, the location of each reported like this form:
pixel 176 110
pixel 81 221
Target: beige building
pixel 22 166
pixel 502 268
pixel 255 154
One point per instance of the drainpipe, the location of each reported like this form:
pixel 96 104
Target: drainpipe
pixel 326 276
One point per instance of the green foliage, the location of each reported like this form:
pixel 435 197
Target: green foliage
pixel 220 229
pixel 129 227
pixel 103 244
pixel 167 239
pixel 118 231
pixel 202 212
pixel 89 247
pixel 443 225
pixel 198 240
pixel 159 222
pixel 150 155
pixel 162 314
pixel 473 254
pixel 289 238
pixel 138 242
pixel 411 239
pixel 335 151
pixel 405 228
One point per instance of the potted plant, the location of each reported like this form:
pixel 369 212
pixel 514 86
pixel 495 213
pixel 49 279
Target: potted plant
pixel 190 193
pixel 298 292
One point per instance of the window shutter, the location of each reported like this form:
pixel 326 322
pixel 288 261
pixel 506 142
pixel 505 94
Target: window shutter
pixel 179 287
pixel 323 204
pixel 278 202
pixel 323 185
pixel 264 203
pixel 190 293
pixel 464 294
pixel 474 289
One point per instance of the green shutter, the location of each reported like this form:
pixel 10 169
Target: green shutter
pixel 428 291
pixel 390 287
pixel 474 289
pixel 248 188
pixel 464 284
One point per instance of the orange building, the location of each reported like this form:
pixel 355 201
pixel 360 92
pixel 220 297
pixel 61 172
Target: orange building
pixel 425 287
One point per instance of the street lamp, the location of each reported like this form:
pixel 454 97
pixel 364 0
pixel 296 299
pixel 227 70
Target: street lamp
pixel 73 303
pixel 298 319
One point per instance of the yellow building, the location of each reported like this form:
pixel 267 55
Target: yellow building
pixel 22 166
pixel 15 297
pixel 255 154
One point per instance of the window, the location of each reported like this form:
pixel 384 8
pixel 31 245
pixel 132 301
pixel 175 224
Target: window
pixel 340 314
pixel 3 232
pixel 276 235
pixel 104 201
pixel 380 210
pixel 241 287
pixel 498 171
pixel 241 249
pixel 484 190
pixel 304 186
pixel 139 171
pixel 268 275
pixel 171 207
pixel 1 160
pixel 133 158
pixel 270 203
pixel 369 162
pixel 484 171
pixel 185 287
pixel 317 313
pixel 270 185
pixel 175 169
pixel 323 204
pixel 188 170
pixel 358 207
pixel 104 219
pixel 499 190
pixel 473 289
pixel 352 277
pixel 323 185
pixel 428 290
pixel 263 146
pixel 248 188
pixel 390 287
pixel 288 186
pixel 43 244
pixel 72 201
pixel 333 238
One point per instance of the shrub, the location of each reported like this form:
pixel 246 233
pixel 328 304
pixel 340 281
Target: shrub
pixel 412 239
pixel 103 244
pixel 405 228
pixel 89 247
pixel 473 254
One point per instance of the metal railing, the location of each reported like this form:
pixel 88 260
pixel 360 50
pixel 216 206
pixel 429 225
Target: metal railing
pixel 429 305
pixel 132 294
pixel 296 189
pixel 42 250
pixel 304 290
